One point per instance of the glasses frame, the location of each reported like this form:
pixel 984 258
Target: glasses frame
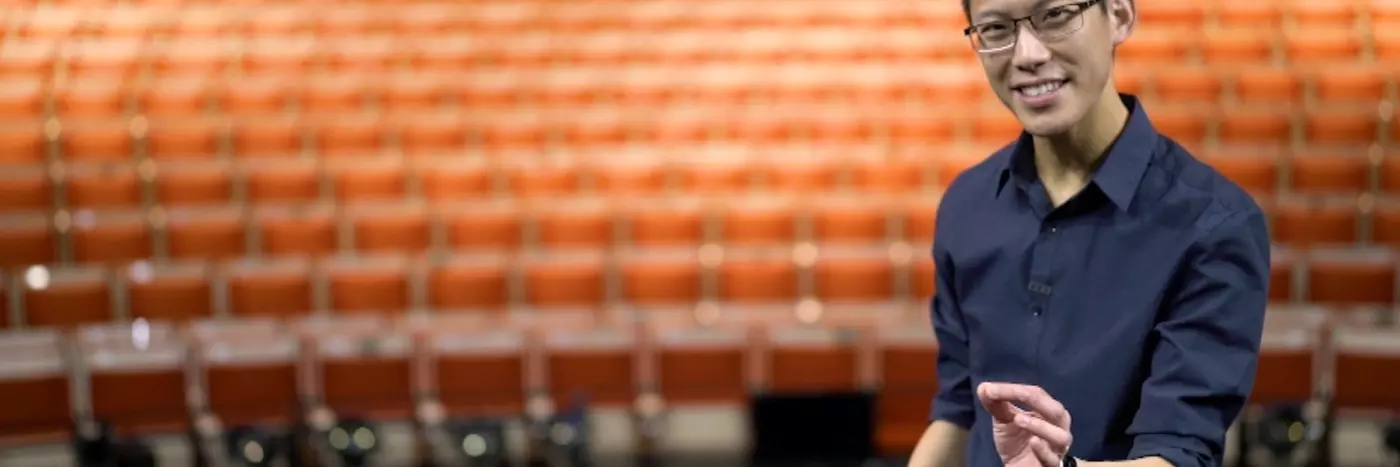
pixel 1084 6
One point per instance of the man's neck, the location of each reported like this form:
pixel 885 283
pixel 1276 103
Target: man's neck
pixel 1068 160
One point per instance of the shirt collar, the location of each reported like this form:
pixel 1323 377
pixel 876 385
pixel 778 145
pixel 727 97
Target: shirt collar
pixel 1122 169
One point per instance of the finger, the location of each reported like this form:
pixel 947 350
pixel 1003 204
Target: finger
pixel 1044 453
pixel 1001 410
pixel 1033 397
pixel 1057 438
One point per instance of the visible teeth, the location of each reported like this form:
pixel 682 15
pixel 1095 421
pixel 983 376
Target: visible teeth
pixel 1039 89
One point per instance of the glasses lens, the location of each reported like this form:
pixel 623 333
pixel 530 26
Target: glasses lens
pixel 1058 22
pixel 995 36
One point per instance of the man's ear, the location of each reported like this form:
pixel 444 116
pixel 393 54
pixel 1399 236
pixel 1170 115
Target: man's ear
pixel 1123 14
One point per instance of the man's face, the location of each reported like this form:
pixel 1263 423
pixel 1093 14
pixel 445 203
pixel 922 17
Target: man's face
pixel 1053 77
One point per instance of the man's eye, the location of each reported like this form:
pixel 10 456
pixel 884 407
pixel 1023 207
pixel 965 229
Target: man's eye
pixel 992 29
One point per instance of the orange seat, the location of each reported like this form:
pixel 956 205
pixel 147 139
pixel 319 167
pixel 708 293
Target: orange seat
pixel 138 390
pixel 1129 81
pixel 110 237
pixel 1238 46
pixel 350 135
pixel 1255 173
pixel 277 289
pixel 1317 44
pixel 256 95
pixel 564 280
pixel 482 227
pixel 1189 84
pixel 598 364
pixel 470 283
pixel 542 179
pixel 1361 84
pixel 34 388
pixel 183 138
pixel 1286 373
pixel 810 360
pixel 371 180
pixel 801 175
pixel 480 375
pixel 360 54
pixel 368 285
pixel 249 371
pixel 22 98
pixel 102 186
pixel 918 221
pixel 596 128
pixel 275 22
pixel 109 57
pixel 281 182
pixel 636 176
pixel 1305 222
pixel 1246 15
pixel 1256 127
pixel 266 137
pixel 1268 85
pixel 1282 269
pixel 445 52
pixel 279 55
pixel 25 189
pixel 377 384
pixel 193 183
pixel 177 293
pixel 509 131
pixel 660 277
pixel 1183 125
pixel 1351 278
pixel 755 221
pixel 758 275
pixel 390 227
pixel 849 220
pixel 27 239
pixel 91 98
pixel 414 93
pixel 1385 222
pixel 887 176
pixel 908 375
pixel 1151 47
pixel 714 175
pixel 1330 14
pixel 667 223
pixel 702 365
pixel 177 96
pixel 859 274
pixel 1188 15
pixel 202 233
pixel 1329 173
pixel 431 134
pixel 191 54
pixel 577 224
pixel 449 180
pixel 96 140
pixel 1385 38
pixel 995 126
pixel 338 94
pixel 296 230
pixel 1367 363
pixel 22 144
pixel 66 297
pixel 1341 126
pixel 28 59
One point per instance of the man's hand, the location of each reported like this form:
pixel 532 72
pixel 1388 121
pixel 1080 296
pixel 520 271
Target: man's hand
pixel 1038 436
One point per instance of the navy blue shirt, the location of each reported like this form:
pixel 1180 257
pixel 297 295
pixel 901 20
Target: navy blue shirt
pixel 1138 303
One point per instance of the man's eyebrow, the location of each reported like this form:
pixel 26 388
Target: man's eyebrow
pixel 997 14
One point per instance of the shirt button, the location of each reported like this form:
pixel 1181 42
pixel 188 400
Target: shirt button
pixel 1035 310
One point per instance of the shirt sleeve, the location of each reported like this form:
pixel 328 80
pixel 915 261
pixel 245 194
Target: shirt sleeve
pixel 953 402
pixel 1206 347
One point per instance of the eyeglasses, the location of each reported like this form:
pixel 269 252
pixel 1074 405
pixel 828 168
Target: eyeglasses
pixel 1049 24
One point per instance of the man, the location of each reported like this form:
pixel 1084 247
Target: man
pixel 1100 293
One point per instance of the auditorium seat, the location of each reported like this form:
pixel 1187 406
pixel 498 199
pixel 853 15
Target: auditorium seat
pixel 720 174
pixel 1283 274
pixel 1339 15
pixel 758 275
pixel 660 277
pixel 168 292
pixel 1357 83
pixel 109 237
pixel 1366 364
pixel 273 288
pixel 479 372
pixel 205 232
pixel 183 135
pixel 1248 15
pixel 908 376
pixel 1351 277
pixel 803 358
pixel 192 52
pixel 697 364
pixel 377 179
pixel 665 222
pixel 112 57
pixel 849 220
pixel 1156 47
pixel 1325 44
pixel 541 179
pixel 1385 222
pixel 564 280
pixel 1254 171
pixel 369 284
pixel 1189 84
pixel 1287 374
pixel 1268 85
pixel 22 98
pixel 389 227
pixel 889 176
pixel 597 363
pixel 345 133
pixel 365 367
pixel 281 181
pixel 25 189
pixel 1182 124
pixel 281 55
pixel 923 278
pixel 624 176
pixel 27 239
pixel 1354 126
pixel 1256 126
pixel 66 297
pixel 28 58
pixel 860 274
pixel 917 220
pixel 448 180
pixel 96 140
pixel 1335 172
pixel 34 387
pixel 103 97
pixel 413 93
pixel 256 95
pixel 193 183
pixel 102 186
pixel 249 370
pixel 23 144
pixel 757 221
pixel 470 282
pixel 482 226
pixel 1255 46
pixel 431 133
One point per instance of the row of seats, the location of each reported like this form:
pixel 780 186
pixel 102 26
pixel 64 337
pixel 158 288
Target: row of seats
pixel 493 280
pixel 359 18
pixel 860 89
pixel 256 371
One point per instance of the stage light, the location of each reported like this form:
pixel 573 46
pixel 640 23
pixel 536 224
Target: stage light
pixel 253 447
pixel 1282 429
pixel 481 442
pixel 354 441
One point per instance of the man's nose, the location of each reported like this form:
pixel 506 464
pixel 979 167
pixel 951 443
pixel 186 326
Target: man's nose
pixel 1030 52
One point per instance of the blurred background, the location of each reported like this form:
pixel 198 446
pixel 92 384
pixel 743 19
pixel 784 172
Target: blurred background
pixel 431 233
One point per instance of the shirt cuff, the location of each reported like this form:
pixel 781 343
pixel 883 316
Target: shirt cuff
pixel 960 415
pixel 1180 451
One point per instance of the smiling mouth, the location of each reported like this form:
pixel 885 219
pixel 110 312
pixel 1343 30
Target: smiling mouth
pixel 1041 89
